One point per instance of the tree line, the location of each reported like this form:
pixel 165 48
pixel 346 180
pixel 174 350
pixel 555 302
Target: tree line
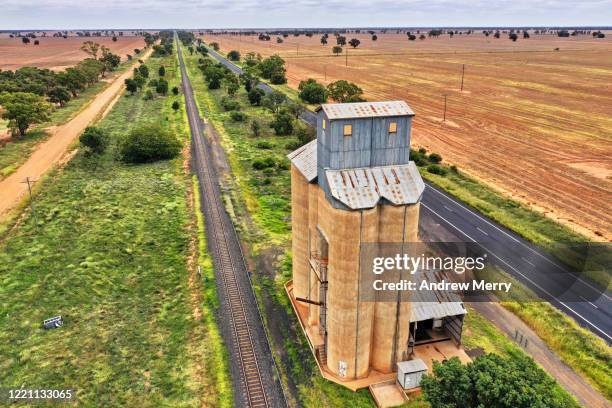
pixel 29 94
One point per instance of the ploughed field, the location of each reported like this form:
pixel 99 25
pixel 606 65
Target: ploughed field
pixel 532 121
pixel 58 53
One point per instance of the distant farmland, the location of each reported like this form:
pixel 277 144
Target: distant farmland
pixel 532 121
pixel 58 53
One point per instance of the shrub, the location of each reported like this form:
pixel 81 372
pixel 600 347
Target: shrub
pixel 238 116
pixel 305 134
pixel 422 150
pixel 454 169
pixel 161 71
pixel 435 158
pixel 256 127
pixel 435 169
pixel 175 90
pixel 162 87
pixel 229 104
pixel 153 83
pixel 284 165
pixel 265 163
pixel 148 95
pixel 312 92
pixel 149 142
pixel 255 96
pixel 282 123
pixel 278 78
pixel 264 145
pixel 233 55
pixel 94 139
pixel 176 105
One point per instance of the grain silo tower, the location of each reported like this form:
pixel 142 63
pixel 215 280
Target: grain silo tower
pixel 354 184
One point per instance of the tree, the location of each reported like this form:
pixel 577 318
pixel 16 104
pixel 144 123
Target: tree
pixel 273 101
pixel 341 40
pixel 273 68
pixel 513 36
pixel 23 109
pixel 354 42
pixel 337 50
pixel 279 40
pixel 494 382
pixel 255 96
pixel 144 70
pixel 149 142
pixel 110 60
pixel 175 90
pixel 374 37
pixel 25 40
pixel 282 123
pixel 36 42
pixel 114 38
pixel 411 37
pixel 233 55
pixel 59 94
pixel 131 86
pixel 161 71
pixel 312 92
pixel 214 46
pixel 296 109
pixel 323 40
pixel 91 48
pixel 162 86
pixel 344 91
pixel 176 105
pixel 94 139
pixel 256 127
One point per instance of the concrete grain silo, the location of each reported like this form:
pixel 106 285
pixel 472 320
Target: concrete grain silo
pixel 354 184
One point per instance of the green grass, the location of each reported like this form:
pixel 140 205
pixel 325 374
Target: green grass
pixel 17 151
pixel 261 209
pixel 108 250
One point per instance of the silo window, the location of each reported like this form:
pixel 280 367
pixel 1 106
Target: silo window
pixel 392 128
pixel 324 124
pixel 348 130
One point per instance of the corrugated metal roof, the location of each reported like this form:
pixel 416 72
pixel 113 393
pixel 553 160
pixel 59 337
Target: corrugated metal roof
pixel 363 187
pixel 305 159
pixel 434 304
pixel 366 109
pixel 411 366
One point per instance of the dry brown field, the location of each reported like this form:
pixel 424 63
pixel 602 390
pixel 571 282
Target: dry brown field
pixel 532 122
pixel 58 53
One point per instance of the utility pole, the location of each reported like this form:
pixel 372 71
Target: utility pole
pixel 325 72
pixel 462 76
pixel 29 182
pixel 297 49
pixel 444 119
pixel 346 62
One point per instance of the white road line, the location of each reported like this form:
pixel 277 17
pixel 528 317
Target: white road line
pixel 448 208
pixel 520 273
pixel 527 260
pixel 516 240
pixel 590 303
pixel 479 229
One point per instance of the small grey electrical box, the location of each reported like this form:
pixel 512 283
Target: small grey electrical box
pixel 53 323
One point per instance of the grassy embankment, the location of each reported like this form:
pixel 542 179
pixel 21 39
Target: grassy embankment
pixel 259 202
pixel 14 153
pixel 111 249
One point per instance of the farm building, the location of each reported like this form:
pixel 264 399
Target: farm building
pixel 355 184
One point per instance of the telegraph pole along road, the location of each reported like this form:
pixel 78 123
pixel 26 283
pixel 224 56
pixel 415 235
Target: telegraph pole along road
pixel 254 375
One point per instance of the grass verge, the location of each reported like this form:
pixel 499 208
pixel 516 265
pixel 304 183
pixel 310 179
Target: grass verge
pixel 109 251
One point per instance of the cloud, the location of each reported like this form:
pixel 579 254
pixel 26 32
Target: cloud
pixel 299 13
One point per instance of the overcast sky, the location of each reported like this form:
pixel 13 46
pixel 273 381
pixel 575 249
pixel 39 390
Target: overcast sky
pixel 71 14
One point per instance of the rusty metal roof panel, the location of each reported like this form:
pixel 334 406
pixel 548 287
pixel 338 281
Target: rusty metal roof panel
pixel 366 109
pixel 305 159
pixel 364 187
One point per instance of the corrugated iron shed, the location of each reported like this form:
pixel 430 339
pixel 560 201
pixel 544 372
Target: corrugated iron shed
pixel 364 187
pixel 411 366
pixel 305 159
pixel 434 304
pixel 366 109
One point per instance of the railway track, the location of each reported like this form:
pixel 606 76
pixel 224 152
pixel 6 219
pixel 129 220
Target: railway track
pixel 252 366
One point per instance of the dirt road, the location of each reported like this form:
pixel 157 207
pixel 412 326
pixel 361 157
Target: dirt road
pixel 48 153
pixel 569 380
